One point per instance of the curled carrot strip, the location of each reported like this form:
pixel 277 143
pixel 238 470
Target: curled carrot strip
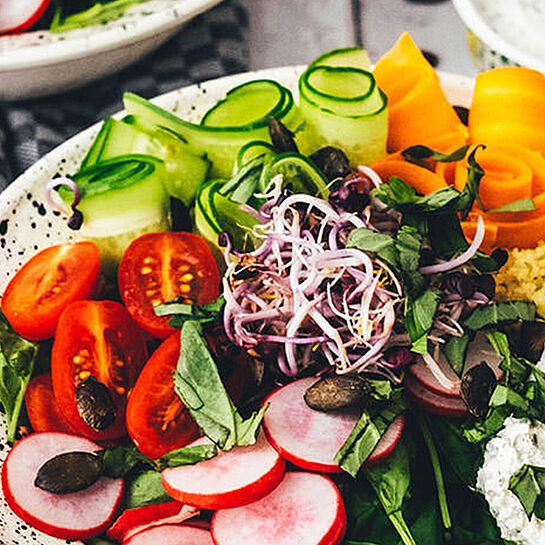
pixel 509 108
pixel 418 109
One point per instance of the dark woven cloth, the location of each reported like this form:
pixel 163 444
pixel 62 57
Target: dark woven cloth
pixel 211 45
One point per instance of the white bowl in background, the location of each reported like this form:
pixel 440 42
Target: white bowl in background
pixel 487 47
pixel 40 63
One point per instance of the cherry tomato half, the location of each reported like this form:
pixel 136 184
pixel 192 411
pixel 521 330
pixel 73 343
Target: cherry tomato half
pixel 39 292
pixel 157 420
pixel 41 408
pixel 96 341
pixel 158 267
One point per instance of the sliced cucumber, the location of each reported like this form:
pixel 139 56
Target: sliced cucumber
pixel 355 57
pixel 297 171
pixel 251 150
pixel 242 186
pixel 221 144
pixel 122 197
pixel 343 107
pixel 184 170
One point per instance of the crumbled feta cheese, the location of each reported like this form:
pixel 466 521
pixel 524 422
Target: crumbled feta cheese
pixel 519 442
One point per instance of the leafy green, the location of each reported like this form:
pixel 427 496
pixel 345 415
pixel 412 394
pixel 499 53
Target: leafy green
pixel 365 436
pixel 390 481
pixel 419 315
pixel 145 489
pixel 455 352
pixel 98 13
pixel 197 382
pixel 496 313
pixel 419 154
pixel 379 243
pixel 17 359
pixel 186 456
pixel 470 194
pixel 528 485
pixel 180 312
pixel 522 205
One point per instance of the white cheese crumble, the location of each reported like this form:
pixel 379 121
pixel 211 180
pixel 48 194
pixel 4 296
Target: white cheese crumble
pixel 518 443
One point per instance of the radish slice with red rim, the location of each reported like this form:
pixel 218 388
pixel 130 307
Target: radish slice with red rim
pixel 78 515
pixel 310 439
pixel 21 14
pixel 231 479
pixel 171 534
pixel 132 521
pixel 432 401
pixel 305 509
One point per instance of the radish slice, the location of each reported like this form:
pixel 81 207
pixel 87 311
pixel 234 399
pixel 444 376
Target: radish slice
pixel 21 14
pixel 78 515
pixel 231 479
pixel 310 439
pixel 132 521
pixel 432 401
pixel 387 442
pixel 305 509
pixel 478 350
pixel 170 534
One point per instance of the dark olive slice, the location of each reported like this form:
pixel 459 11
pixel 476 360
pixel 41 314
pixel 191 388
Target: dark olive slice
pixel 333 162
pixel 282 138
pixel 69 472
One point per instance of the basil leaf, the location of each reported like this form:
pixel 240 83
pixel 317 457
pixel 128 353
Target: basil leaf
pixel 523 205
pixel 145 489
pixel 419 314
pixel 455 352
pixel 187 456
pixel 379 243
pixel 197 382
pixel 396 193
pixel 17 359
pixel 119 461
pixel 407 244
pixel 416 155
pixel 496 313
pixel 528 485
pixel 180 312
pixel 470 194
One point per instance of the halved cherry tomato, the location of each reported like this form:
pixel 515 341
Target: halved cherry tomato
pixel 96 341
pixel 157 420
pixel 158 267
pixel 46 284
pixel 41 407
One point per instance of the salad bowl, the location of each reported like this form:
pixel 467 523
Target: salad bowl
pixel 27 224
pixel 40 63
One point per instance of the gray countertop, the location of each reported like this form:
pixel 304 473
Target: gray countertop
pixel 286 32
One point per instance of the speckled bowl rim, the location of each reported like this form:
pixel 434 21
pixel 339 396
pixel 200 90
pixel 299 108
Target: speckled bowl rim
pixel 476 23
pixel 76 45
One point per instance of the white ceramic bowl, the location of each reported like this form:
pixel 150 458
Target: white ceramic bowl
pixel 27 225
pixel 40 63
pixel 489 49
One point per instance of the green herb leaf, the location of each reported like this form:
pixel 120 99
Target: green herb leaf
pixel 187 456
pixel 418 154
pixel 470 194
pixel 496 313
pixel 120 461
pixel 455 352
pixel 197 382
pixel 523 205
pixel 17 359
pixel 145 489
pixel 528 485
pixel 419 314
pixel 180 312
pixel 379 243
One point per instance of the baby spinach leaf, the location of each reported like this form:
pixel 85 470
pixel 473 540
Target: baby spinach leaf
pixel 522 205
pixel 455 352
pixel 180 312
pixel 528 485
pixel 198 383
pixel 17 358
pixel 496 313
pixel 379 243
pixel 419 154
pixel 186 456
pixel 419 315
pixel 145 489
